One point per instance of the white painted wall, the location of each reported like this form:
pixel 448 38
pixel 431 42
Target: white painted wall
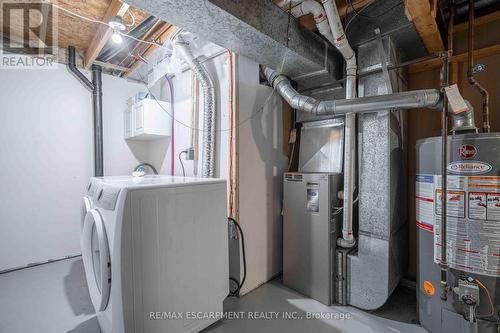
pixel 261 160
pixel 261 167
pixel 46 159
pixel 218 70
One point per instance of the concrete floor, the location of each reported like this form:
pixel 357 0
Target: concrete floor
pixel 53 298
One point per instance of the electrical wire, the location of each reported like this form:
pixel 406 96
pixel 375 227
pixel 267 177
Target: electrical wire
pixel 358 13
pixel 258 111
pixel 340 208
pixel 182 164
pixel 78 15
pixel 291 156
pixel 375 16
pixel 132 17
pixel 236 292
pixel 492 307
pixel 106 24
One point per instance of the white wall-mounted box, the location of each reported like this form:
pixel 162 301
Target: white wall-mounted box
pixel 148 119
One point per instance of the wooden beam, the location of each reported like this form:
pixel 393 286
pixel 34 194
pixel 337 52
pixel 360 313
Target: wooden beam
pixel 102 34
pixel 434 7
pixel 156 30
pixel 43 28
pixel 162 38
pixel 420 12
pixel 462 57
pixel 477 21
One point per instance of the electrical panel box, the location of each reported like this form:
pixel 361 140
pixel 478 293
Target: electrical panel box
pixel 148 119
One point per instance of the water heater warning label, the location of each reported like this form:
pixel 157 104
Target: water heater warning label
pixel 455 203
pixel 493 207
pixel 477 205
pixel 425 202
pixel 473 220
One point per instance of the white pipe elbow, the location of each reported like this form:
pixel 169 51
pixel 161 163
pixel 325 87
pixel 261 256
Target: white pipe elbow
pixel 313 7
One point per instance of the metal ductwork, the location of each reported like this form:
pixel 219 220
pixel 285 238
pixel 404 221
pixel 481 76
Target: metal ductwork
pixel 464 122
pixel 95 86
pixel 426 98
pixel 257 29
pixel 209 107
pixel 374 270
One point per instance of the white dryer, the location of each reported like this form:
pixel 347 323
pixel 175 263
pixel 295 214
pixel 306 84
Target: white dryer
pixel 87 201
pixel 155 253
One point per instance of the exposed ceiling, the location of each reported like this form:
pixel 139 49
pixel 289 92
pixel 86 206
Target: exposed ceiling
pixel 75 31
pixel 417 24
pixel 90 38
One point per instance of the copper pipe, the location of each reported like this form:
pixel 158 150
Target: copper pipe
pixel 470 73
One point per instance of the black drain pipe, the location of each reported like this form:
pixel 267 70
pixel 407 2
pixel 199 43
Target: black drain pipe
pixel 96 88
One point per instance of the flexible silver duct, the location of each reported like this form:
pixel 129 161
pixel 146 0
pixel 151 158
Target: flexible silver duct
pixel 208 144
pixel 426 98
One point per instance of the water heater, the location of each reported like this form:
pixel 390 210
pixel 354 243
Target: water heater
pixel 473 233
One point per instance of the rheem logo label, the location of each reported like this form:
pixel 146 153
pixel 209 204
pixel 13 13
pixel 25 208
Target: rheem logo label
pixel 467 151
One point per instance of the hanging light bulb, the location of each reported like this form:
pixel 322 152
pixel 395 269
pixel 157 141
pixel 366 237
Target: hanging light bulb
pixel 116 23
pixel 117 38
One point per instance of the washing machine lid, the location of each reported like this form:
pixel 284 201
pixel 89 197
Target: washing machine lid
pixel 96 259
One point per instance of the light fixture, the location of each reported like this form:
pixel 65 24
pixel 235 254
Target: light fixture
pixel 117 38
pixel 116 23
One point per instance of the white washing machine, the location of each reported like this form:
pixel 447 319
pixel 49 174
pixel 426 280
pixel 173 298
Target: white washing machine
pixel 87 201
pixel 155 253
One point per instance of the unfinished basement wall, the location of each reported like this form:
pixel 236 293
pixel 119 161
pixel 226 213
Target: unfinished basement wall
pixel 426 123
pixel 183 126
pixel 46 159
pixel 262 159
pixel 262 162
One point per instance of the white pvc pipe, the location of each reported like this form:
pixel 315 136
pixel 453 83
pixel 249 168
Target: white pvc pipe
pixel 343 46
pixel 316 9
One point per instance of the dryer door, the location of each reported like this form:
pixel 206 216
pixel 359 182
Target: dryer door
pixel 86 206
pixel 96 259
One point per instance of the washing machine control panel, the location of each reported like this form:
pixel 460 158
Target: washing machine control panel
pixel 106 196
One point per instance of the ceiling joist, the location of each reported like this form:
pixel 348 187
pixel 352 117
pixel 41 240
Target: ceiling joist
pixel 162 38
pixel 422 13
pixel 102 34
pixel 495 16
pixel 462 57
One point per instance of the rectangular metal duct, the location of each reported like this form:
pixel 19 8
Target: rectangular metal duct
pixel 322 146
pixel 376 268
pixel 256 29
